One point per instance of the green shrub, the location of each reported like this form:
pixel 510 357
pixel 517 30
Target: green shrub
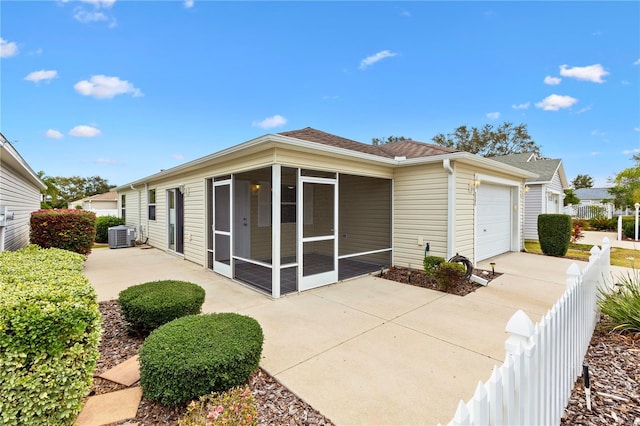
pixel 554 233
pixel 103 223
pixel 73 230
pixel 431 263
pixel 234 407
pixel 449 274
pixel 147 306
pixel 49 334
pixel 629 229
pixel 622 305
pixel 603 224
pixel 199 354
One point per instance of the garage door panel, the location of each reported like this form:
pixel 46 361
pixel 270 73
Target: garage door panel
pixel 493 221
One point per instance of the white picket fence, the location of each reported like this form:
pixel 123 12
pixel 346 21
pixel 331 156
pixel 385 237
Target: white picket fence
pixel 589 211
pixel 542 362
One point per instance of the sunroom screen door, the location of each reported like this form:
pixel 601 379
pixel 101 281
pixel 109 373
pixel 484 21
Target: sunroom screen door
pixel 317 224
pixel 222 228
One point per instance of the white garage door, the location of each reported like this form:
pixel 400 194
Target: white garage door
pixel 493 220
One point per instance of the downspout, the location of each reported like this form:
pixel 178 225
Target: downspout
pixel 451 207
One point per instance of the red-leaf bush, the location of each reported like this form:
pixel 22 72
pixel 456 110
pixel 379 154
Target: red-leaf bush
pixel 73 230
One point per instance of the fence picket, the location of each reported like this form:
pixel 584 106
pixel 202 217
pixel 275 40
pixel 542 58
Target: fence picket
pixel 542 361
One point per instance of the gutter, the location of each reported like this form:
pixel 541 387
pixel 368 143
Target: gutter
pixel 451 207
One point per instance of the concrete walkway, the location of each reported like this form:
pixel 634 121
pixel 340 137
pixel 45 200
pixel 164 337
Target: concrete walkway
pixel 366 351
pixel 596 237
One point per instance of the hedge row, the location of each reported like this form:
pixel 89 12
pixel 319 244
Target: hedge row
pixel 49 335
pixel 73 230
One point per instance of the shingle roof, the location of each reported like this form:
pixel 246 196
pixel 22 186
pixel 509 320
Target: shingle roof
pixel 408 148
pixel 593 193
pixel 544 168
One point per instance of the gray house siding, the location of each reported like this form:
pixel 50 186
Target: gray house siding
pixel 19 196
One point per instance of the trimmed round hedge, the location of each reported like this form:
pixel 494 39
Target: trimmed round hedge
pixel 147 306
pixel 196 355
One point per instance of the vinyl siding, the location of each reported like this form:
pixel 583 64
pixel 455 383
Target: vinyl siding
pixel 534 204
pixel 465 209
pixel 420 210
pixel 22 198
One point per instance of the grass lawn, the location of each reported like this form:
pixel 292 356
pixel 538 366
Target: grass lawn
pixel 619 256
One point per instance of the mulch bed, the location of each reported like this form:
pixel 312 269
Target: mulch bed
pixel 276 404
pixel 613 359
pixel 422 279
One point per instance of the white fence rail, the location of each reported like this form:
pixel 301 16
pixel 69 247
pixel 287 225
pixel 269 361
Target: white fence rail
pixel 542 361
pixel 589 211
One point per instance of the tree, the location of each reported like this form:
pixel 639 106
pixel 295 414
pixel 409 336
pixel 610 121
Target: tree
pixel 389 139
pixel 570 197
pixel 582 181
pixel 63 190
pixel 50 192
pixel 489 141
pixel 626 189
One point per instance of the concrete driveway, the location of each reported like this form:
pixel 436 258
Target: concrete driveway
pixel 366 351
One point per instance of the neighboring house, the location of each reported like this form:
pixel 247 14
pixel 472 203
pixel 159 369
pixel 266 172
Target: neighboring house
pixel 105 204
pixel 545 193
pixel 19 196
pixel 300 209
pixel 593 202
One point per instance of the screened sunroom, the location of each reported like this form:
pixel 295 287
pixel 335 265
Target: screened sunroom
pixel 322 226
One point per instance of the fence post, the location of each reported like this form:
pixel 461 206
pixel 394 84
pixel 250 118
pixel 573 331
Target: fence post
pixel 520 327
pixel 605 264
pixel 620 228
pixel 573 272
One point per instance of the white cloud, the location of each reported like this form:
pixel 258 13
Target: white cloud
pixel 405 13
pixel 7 48
pixel 637 129
pixel 585 109
pixel 105 87
pixel 631 151
pixel 370 60
pixel 637 62
pixel 53 134
pixel 597 132
pixel 188 4
pixel 100 3
pixel 270 122
pixel 552 81
pixel 37 52
pixel 556 102
pixel 85 16
pixel 178 156
pixel 592 73
pixel 84 131
pixel 493 115
pixel 595 153
pixel 521 106
pixel 38 76
pixel 106 161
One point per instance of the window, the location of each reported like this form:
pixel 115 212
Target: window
pixel 151 202
pixel 123 205
pixel 288 204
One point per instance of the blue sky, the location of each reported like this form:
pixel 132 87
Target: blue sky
pixel 122 89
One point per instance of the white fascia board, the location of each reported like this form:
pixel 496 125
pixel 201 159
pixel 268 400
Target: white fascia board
pixel 468 158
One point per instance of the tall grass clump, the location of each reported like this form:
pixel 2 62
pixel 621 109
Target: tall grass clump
pixel 622 305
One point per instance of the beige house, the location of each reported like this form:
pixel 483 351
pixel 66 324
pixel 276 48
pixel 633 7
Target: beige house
pixel 105 204
pixel 19 196
pixel 296 210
